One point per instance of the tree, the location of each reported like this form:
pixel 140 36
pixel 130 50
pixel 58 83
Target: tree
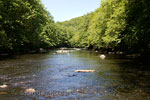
pixel 24 25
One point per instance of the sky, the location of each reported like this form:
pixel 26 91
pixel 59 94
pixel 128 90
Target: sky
pixel 63 10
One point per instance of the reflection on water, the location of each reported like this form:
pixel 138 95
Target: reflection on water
pixel 53 77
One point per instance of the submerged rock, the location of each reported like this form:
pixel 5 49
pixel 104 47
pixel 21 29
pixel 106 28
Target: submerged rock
pixel 96 51
pixel 133 55
pixel 111 53
pixel 72 75
pixel 3 93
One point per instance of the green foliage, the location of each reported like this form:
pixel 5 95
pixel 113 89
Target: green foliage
pixel 137 36
pixel 119 25
pixel 76 30
pixel 25 25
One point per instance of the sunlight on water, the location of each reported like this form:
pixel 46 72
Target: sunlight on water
pixel 53 76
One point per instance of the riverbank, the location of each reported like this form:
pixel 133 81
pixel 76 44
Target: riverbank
pixel 65 49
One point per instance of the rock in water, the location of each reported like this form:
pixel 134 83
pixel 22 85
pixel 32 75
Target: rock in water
pixel 96 51
pixel 3 86
pixel 102 56
pixel 62 51
pixel 30 90
pixel 3 93
pixel 84 71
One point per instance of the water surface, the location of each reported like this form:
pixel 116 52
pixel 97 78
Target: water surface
pixel 53 77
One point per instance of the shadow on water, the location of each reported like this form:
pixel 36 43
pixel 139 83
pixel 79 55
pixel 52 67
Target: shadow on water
pixel 127 78
pixel 52 76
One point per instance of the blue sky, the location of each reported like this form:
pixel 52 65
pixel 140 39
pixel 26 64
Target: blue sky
pixel 63 10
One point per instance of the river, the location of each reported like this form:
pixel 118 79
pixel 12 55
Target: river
pixel 52 76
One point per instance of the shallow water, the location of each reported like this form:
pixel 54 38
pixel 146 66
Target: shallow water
pixel 53 77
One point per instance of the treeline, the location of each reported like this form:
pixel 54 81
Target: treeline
pixel 26 25
pixel 117 25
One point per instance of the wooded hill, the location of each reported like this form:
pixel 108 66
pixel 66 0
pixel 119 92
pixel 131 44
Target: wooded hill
pixel 117 25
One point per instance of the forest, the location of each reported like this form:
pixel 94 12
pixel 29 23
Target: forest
pixel 117 25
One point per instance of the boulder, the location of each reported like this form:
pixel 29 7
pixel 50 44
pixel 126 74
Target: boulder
pixel 3 86
pixel 30 90
pixel 84 71
pixel 102 56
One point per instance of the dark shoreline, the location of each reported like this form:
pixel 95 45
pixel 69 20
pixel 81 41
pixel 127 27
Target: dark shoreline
pixel 135 56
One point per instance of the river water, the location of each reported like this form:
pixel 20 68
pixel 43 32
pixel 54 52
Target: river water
pixel 53 77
